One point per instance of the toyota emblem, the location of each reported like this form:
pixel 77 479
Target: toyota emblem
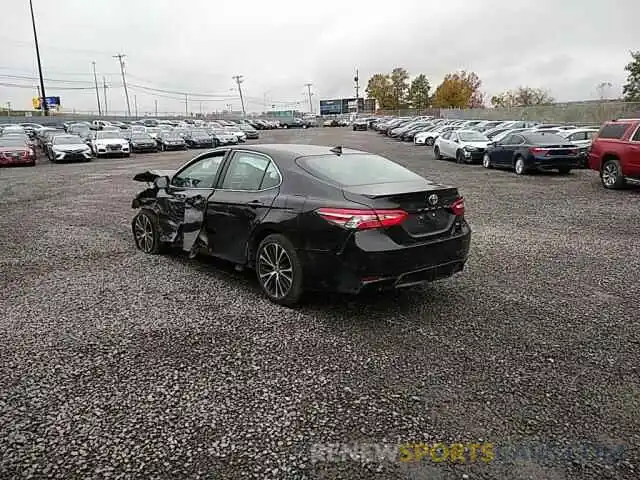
pixel 433 199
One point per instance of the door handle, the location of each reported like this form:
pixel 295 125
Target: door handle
pixel 256 204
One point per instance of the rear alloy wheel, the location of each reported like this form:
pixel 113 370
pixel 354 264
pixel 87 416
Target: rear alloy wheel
pixel 429 141
pixel 145 232
pixel 436 153
pixel 459 156
pixel 611 175
pixel 486 161
pixel 519 166
pixel 278 269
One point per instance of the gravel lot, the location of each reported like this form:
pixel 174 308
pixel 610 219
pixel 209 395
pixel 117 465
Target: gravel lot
pixel 114 364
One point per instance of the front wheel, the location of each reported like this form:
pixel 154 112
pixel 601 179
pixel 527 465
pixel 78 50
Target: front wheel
pixel 459 157
pixel 429 141
pixel 611 175
pixel 146 232
pixel 279 270
pixel 486 161
pixel 436 153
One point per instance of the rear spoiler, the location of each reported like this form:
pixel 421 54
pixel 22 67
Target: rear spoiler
pixel 150 175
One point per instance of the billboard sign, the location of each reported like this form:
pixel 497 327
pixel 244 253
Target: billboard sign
pixel 347 105
pixel 52 102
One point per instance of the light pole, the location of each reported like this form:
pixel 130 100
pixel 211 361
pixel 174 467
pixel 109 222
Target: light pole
pixel 43 101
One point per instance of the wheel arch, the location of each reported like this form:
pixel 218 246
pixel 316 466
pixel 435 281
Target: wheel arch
pixel 257 236
pixel 609 156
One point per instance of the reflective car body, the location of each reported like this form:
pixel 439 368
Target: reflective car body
pixel 324 209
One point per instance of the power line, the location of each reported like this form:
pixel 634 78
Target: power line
pixel 239 80
pixel 95 79
pixel 308 85
pixel 43 102
pixel 120 57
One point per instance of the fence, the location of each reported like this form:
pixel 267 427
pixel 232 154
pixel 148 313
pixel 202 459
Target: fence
pixel 578 112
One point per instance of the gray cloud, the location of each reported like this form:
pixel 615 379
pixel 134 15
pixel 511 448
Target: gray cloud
pixel 197 45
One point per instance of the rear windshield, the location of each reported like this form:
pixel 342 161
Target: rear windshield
pixel 353 169
pixel 542 138
pixel 613 130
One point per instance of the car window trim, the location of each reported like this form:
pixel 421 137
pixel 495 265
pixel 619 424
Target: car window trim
pixel 631 140
pixel 202 156
pixel 226 169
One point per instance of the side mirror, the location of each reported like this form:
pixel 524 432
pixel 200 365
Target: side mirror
pixel 161 182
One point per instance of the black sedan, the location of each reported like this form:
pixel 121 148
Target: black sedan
pixel 142 142
pixel 167 140
pixel 527 151
pixel 198 139
pixel 306 218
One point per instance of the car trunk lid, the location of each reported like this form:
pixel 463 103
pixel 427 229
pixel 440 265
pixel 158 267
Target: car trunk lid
pixel 427 204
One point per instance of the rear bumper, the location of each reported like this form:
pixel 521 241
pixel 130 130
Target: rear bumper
pixel 546 163
pixel 354 269
pixel 150 148
pixel 16 162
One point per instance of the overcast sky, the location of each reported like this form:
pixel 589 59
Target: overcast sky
pixel 196 46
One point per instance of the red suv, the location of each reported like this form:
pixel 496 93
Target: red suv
pixel 615 152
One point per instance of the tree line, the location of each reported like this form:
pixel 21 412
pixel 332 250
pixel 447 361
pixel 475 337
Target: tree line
pixel 462 89
pixel 395 91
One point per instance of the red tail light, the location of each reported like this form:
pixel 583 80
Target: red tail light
pixel 25 155
pixel 457 207
pixel 356 219
pixel 539 151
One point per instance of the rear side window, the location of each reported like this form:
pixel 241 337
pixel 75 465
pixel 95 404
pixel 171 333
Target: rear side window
pixel 636 136
pixel 613 130
pixel 356 169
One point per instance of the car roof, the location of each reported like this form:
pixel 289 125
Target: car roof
pixel 290 151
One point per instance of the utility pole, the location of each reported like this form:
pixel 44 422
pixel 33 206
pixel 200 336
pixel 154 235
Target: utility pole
pixel 43 99
pixel 8 109
pixel 308 85
pixel 104 86
pixel 120 57
pixel 95 79
pixel 135 105
pixel 156 105
pixel 356 79
pixel 186 105
pixel 239 80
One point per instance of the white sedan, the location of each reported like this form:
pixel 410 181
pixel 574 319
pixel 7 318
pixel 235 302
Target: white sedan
pixel 109 142
pixel 466 146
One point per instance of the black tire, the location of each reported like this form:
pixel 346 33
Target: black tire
pixel 436 153
pixel 285 126
pixel 486 161
pixel 429 141
pixel 564 170
pixel 163 147
pixel 611 175
pixel 216 143
pixel 147 220
pixel 459 157
pixel 516 166
pixel 269 246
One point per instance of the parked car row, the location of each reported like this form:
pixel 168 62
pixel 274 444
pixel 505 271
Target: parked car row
pixel 82 141
pixel 612 149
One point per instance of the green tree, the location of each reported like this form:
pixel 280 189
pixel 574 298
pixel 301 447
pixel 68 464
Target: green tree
pixel 419 92
pixel 379 87
pixel 400 87
pixel 631 89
